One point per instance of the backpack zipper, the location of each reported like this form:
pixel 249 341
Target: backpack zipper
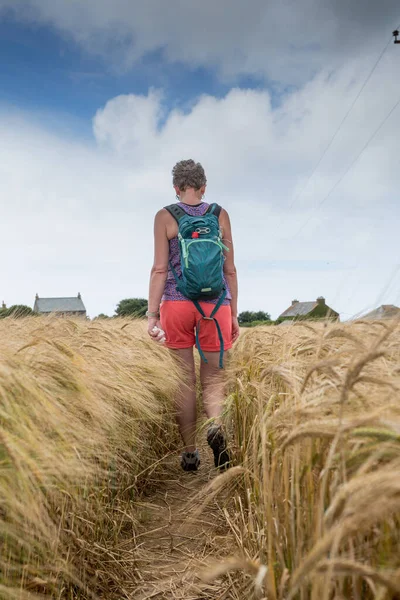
pixel 185 247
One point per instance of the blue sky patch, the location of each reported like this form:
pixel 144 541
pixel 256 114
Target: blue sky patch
pixel 43 71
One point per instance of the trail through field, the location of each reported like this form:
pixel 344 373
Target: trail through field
pixel 173 548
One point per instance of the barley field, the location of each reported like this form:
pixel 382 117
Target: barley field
pixel 315 416
pixel 310 510
pixel 85 414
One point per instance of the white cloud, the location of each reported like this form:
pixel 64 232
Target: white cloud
pixel 78 216
pixel 128 121
pixel 286 41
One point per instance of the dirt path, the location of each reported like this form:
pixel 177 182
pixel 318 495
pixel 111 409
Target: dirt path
pixel 172 549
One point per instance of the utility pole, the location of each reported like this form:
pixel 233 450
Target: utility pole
pixel 396 35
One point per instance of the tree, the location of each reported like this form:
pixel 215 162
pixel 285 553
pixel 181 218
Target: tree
pixel 131 307
pixel 245 317
pixel 16 311
pixel 261 316
pixel 249 317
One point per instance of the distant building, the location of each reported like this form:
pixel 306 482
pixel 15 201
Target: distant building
pixel 386 311
pixel 318 309
pixel 64 307
pixel 287 323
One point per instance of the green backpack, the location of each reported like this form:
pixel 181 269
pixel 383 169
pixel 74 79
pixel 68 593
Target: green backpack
pixel 201 259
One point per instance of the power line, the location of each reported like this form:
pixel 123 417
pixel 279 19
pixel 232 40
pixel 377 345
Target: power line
pixel 341 123
pixel 351 165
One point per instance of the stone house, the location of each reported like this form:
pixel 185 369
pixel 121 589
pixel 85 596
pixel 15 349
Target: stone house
pixel 317 309
pixel 64 307
pixel 385 311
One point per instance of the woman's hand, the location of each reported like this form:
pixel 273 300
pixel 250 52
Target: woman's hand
pixel 155 335
pixel 235 329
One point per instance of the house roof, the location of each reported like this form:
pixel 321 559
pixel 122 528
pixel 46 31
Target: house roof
pixel 50 305
pixel 299 309
pixel 288 323
pixel 386 311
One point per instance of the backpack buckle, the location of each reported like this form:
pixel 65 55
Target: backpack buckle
pixel 203 230
pixel 208 318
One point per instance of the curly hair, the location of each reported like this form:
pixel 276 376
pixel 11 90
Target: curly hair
pixel 188 174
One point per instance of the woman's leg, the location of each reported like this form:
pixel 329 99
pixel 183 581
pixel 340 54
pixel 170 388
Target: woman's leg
pixel 186 399
pixel 213 385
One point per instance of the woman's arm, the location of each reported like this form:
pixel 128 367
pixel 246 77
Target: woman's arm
pixel 159 271
pixel 230 270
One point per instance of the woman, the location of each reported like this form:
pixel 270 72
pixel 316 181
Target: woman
pixel 178 316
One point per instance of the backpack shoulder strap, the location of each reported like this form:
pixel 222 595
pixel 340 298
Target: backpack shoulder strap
pixel 214 209
pixel 176 211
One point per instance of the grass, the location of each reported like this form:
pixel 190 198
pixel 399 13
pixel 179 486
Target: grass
pixel 85 415
pixel 313 503
pixel 314 411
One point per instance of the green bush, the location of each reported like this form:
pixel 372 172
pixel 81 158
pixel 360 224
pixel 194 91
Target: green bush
pixel 16 311
pixel 257 323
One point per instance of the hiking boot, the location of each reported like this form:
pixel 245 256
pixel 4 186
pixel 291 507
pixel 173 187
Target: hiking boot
pixel 217 443
pixel 190 461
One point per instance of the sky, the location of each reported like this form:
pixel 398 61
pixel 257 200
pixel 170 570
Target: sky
pixel 99 99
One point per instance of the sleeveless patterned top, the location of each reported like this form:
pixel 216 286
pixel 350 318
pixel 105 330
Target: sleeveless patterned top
pixel 170 291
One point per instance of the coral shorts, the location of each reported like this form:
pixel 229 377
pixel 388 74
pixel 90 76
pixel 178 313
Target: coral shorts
pixel 179 319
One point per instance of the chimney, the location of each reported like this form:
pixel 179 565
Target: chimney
pixel 79 295
pixel 37 297
pixel 294 302
pixel 321 300
pixel 3 305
